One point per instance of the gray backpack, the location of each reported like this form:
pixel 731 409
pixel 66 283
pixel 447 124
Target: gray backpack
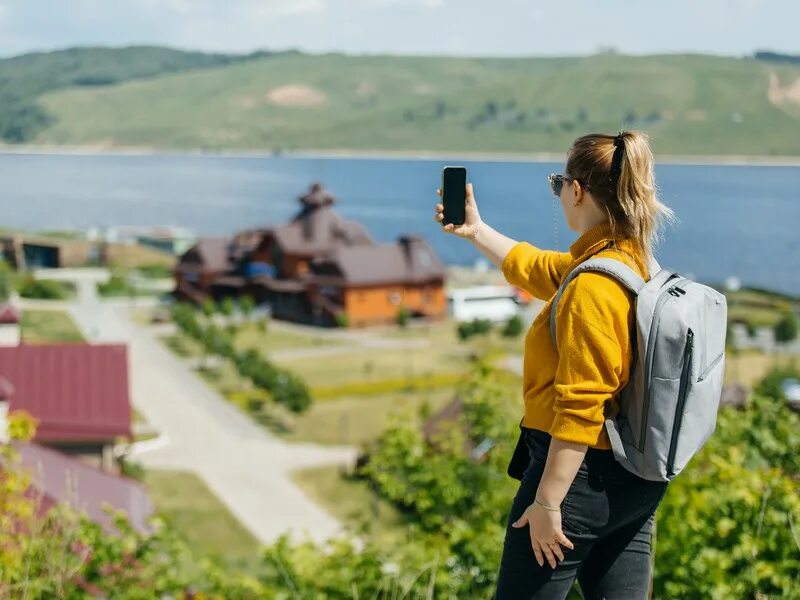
pixel 668 409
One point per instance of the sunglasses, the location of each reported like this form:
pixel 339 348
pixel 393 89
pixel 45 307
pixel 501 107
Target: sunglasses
pixel 557 182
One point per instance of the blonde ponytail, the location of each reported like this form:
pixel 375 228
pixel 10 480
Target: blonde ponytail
pixel 630 196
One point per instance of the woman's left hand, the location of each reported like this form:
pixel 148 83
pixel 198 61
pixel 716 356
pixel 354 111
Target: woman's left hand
pixel 546 533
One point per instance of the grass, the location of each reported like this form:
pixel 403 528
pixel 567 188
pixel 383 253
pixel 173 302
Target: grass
pixel 750 366
pixel 690 104
pixel 355 420
pixel 49 326
pixel 127 256
pixel 354 393
pixel 757 308
pixel 202 520
pixel 275 339
pixel 371 365
pixel 352 502
pixel 183 345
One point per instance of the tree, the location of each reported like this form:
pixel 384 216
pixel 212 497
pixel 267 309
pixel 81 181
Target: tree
pixel 786 328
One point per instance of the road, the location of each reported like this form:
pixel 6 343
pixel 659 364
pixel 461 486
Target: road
pixel 245 466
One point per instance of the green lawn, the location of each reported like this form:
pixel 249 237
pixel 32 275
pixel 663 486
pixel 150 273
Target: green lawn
pixel 355 393
pixel 351 500
pixel 354 420
pixel 274 339
pixel 201 519
pixel 377 365
pixel 49 326
pixel 250 336
pixel 750 366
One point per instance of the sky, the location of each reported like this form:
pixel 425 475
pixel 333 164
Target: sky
pixel 442 27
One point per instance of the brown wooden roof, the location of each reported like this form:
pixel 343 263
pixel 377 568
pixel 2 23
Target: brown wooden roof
pixel 410 260
pixel 210 253
pixel 316 231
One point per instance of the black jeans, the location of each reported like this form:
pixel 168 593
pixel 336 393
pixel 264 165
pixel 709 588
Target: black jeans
pixel 607 514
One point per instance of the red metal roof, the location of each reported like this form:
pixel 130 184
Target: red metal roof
pixel 79 392
pixel 63 479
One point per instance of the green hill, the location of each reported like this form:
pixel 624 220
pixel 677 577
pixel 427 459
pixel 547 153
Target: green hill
pixel 691 104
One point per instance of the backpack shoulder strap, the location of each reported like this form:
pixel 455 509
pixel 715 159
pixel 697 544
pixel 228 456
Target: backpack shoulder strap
pixel 611 266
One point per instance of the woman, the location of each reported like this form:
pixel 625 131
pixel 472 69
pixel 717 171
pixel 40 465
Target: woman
pixel 579 513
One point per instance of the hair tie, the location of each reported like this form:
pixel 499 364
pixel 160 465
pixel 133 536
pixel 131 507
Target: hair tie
pixel 616 160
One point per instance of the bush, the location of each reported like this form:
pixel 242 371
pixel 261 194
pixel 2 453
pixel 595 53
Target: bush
pixel 786 328
pixel 133 469
pixel 43 289
pixel 117 285
pixel 5 279
pixel 513 327
pixel 403 315
pixel 468 329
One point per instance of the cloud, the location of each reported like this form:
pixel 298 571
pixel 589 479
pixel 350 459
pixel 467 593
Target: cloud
pixel 473 27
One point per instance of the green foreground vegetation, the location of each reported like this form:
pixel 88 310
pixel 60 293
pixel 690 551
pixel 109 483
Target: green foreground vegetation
pixel 726 528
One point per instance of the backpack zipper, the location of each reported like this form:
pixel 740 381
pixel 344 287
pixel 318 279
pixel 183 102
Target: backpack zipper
pixel 709 367
pixel 651 342
pixel 682 392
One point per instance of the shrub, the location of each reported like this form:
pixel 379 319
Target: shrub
pixel 403 315
pixel 513 327
pixel 467 329
pixel 42 289
pixel 786 328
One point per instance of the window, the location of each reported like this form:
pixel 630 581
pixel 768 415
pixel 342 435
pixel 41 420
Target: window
pixel 394 298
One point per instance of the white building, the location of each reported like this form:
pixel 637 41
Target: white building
pixel 493 302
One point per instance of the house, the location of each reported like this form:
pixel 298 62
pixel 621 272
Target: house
pixel 207 260
pixel 33 252
pixel 318 269
pixel 59 479
pixel 315 231
pixel 368 284
pixel 78 392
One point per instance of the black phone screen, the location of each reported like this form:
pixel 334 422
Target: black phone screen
pixel 454 188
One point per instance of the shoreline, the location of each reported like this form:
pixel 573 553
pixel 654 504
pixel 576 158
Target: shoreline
pixel 341 153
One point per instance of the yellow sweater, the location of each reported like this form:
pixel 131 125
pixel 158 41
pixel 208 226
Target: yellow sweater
pixel 569 392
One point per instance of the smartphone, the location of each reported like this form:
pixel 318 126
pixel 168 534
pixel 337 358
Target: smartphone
pixel 454 195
